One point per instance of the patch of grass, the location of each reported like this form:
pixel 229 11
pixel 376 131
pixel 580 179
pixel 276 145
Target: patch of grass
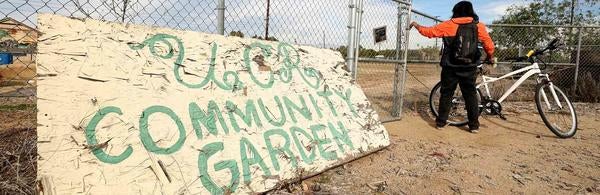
pixel 324 178
pixel 18 107
pixel 12 83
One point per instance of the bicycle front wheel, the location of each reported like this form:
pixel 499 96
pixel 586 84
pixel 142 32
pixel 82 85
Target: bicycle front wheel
pixel 556 110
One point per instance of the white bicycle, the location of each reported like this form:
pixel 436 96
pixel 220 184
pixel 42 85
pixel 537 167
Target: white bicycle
pixel 553 105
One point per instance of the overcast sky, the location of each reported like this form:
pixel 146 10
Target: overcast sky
pixel 488 10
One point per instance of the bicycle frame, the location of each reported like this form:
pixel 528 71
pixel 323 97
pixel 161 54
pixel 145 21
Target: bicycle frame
pixel 529 71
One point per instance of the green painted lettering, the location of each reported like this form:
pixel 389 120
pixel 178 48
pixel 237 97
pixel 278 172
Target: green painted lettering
pixel 146 138
pixel 291 106
pixel 322 142
pixel 315 105
pixel 269 116
pixel 346 97
pixel 250 156
pixel 230 81
pixel 251 113
pixel 341 137
pixel 308 159
pixel 283 151
pixel 90 136
pixel 283 49
pixel 209 120
pixel 207 151
pixel 327 94
pixel 266 52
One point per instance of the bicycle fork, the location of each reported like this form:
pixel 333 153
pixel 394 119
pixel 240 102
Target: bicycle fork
pixel 545 79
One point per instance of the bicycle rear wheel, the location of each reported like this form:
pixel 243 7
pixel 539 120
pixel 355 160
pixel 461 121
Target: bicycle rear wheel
pixel 556 110
pixel 458 113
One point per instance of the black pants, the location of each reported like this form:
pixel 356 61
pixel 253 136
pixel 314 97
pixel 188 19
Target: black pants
pixel 466 78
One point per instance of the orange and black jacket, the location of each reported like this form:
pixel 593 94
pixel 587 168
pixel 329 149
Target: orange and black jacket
pixel 449 28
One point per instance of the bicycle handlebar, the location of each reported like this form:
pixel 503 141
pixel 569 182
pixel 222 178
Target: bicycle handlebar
pixel 553 45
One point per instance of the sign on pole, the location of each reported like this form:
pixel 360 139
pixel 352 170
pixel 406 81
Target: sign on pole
pixel 380 34
pixel 132 109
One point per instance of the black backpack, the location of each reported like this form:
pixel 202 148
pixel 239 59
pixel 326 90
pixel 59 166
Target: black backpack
pixel 463 48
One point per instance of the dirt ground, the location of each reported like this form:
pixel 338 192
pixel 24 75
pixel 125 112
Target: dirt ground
pixel 18 79
pixel 517 156
pixel 22 69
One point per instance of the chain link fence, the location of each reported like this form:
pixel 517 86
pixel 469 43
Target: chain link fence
pixel 322 24
pixel 389 81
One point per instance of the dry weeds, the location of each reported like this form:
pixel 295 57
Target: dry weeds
pixel 18 161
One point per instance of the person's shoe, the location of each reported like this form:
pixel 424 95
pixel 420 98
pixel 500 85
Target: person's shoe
pixel 440 126
pixel 474 129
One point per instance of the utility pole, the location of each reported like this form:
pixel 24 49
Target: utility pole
pixel 267 20
pixel 436 23
pixel 573 3
pixel 571 22
pixel 124 9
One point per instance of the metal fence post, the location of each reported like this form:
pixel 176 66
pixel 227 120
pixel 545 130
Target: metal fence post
pixel 405 44
pixel 520 51
pixel 436 39
pixel 357 35
pixel 351 35
pixel 221 17
pixel 402 34
pixel 577 59
pixel 396 92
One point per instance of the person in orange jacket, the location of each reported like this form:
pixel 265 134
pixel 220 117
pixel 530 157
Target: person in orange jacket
pixel 459 72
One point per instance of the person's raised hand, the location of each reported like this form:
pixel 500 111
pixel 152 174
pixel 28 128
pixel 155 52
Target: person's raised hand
pixel 414 24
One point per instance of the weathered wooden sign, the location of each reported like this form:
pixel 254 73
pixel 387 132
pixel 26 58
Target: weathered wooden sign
pixel 134 109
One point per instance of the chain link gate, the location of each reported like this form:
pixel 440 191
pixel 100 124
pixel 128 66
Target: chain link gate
pixel 381 63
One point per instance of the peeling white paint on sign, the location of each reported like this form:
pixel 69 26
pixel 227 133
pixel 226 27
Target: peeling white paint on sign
pixel 134 109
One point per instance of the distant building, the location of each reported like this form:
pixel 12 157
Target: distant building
pixel 11 29
pixel 21 41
